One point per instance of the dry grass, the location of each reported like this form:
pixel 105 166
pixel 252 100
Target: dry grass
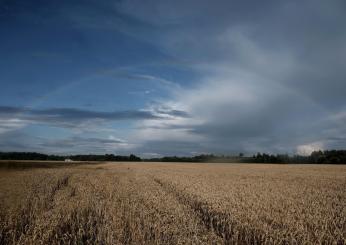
pixel 159 203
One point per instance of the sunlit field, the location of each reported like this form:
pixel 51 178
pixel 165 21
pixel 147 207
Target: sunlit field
pixel 173 203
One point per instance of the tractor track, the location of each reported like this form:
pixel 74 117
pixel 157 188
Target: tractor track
pixel 220 223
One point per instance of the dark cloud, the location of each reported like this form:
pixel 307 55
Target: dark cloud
pixel 21 141
pixel 272 75
pixel 18 141
pixel 77 114
pixel 80 141
pixel 4 110
pixel 172 148
pixel 71 117
pixel 77 144
pixel 300 44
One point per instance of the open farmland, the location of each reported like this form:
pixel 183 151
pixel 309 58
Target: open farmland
pixel 174 203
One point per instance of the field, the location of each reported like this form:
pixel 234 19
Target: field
pixel 173 203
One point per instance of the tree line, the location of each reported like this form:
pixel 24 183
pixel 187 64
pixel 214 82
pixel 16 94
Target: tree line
pixel 45 157
pixel 316 157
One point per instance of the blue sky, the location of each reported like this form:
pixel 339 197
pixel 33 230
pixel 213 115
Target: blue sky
pixel 172 77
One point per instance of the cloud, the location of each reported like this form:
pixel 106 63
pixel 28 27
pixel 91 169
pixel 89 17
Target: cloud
pixel 307 149
pixel 270 78
pixel 16 117
pixel 73 141
pixel 75 144
pixel 132 75
pixel 227 116
pixel 8 124
pixel 18 141
pixel 299 44
pixel 57 114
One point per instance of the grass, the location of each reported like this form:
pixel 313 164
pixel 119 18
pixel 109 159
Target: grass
pixel 174 203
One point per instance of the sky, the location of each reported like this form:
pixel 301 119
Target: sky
pixel 183 77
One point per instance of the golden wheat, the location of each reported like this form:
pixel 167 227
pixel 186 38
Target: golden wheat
pixel 160 203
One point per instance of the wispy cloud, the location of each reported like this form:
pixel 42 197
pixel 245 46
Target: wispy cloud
pixel 13 117
pixel 77 144
pixel 20 141
pixel 126 73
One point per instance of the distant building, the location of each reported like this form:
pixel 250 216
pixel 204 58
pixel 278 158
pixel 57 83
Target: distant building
pixel 68 160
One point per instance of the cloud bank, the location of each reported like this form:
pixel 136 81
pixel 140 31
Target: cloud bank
pixel 13 117
pixel 271 75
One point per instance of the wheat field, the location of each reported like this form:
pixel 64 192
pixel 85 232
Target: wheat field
pixel 174 203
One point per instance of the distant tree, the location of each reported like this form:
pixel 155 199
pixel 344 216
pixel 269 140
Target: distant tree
pixel 317 157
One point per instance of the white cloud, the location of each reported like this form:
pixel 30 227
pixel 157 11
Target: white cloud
pixel 263 82
pixel 231 111
pixel 307 149
pixel 11 124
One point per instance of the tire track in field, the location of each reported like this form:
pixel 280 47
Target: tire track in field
pixel 222 224
pixel 28 216
pixel 60 184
